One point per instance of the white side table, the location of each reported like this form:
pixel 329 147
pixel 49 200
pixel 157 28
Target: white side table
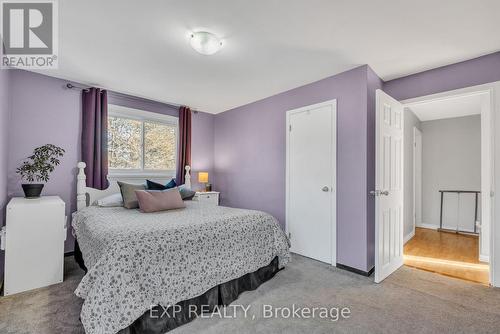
pixel 34 243
pixel 211 197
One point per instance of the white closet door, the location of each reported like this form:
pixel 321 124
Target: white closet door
pixel 311 172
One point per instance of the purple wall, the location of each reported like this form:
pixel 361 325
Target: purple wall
pixel 4 121
pixel 373 83
pixel 202 147
pixel 43 111
pixel 4 126
pixel 250 156
pixel 460 75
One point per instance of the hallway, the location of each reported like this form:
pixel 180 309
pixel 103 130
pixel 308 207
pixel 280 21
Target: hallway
pixel 449 254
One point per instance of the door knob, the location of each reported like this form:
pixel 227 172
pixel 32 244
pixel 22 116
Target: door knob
pixel 325 188
pixel 384 192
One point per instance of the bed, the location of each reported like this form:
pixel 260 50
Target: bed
pixel 173 260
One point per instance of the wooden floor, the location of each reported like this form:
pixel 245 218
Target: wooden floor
pixel 450 254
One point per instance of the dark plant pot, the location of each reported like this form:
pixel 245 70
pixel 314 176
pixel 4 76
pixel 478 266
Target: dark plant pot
pixel 32 190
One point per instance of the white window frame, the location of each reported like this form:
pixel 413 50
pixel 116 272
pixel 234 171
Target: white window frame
pixel 144 116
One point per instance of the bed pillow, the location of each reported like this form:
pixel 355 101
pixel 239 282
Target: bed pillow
pixel 157 186
pixel 111 201
pixel 171 184
pixel 154 201
pixel 186 194
pixel 128 194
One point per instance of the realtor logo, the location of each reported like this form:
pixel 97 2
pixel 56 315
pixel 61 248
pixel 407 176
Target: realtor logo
pixel 29 34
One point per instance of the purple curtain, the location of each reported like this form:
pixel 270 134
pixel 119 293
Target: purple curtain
pixel 184 152
pixel 95 137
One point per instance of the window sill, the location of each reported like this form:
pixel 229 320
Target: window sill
pixel 140 175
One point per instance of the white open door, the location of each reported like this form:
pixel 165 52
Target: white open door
pixel 389 186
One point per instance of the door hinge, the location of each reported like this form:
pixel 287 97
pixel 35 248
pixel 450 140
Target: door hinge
pixel 3 237
pixel 290 127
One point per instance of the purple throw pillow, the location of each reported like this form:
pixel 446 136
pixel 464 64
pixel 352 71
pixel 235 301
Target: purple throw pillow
pixel 154 201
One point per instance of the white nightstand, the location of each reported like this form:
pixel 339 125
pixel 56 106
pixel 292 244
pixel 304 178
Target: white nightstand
pixel 211 197
pixel 34 243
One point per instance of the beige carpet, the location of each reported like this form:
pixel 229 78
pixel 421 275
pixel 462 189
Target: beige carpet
pixel 409 301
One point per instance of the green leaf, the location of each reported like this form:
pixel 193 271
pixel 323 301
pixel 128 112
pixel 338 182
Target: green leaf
pixel 41 163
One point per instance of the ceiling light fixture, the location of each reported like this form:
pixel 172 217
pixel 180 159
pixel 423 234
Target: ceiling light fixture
pixel 205 42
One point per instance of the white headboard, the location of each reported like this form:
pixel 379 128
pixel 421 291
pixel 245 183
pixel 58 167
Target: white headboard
pixel 86 196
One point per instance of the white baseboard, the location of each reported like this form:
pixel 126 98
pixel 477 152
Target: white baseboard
pixel 484 258
pixel 435 227
pixel 430 226
pixel 408 237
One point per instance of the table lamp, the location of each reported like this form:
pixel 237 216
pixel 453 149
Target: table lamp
pixel 203 178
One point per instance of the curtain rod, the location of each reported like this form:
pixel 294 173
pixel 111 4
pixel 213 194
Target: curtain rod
pixel 69 85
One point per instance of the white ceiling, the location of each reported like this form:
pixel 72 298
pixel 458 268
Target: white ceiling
pixel 448 108
pixel 142 47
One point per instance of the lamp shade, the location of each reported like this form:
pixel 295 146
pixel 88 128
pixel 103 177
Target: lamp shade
pixel 203 177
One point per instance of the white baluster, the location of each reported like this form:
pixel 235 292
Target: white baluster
pixel 81 184
pixel 187 177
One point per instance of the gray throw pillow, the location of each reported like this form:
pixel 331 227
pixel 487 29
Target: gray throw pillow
pixel 187 194
pixel 128 194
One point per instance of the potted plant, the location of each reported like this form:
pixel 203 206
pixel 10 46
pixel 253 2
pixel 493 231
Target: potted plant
pixel 37 168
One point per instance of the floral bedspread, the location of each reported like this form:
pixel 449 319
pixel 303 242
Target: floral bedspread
pixel 136 260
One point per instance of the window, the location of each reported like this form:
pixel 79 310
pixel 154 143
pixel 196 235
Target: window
pixel 141 142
